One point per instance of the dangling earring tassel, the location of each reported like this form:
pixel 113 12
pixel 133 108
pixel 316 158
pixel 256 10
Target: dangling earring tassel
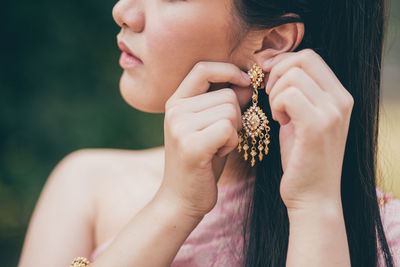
pixel 254 121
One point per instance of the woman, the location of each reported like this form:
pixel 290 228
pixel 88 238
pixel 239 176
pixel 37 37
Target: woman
pixel 186 203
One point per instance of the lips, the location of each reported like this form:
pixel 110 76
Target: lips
pixel 124 48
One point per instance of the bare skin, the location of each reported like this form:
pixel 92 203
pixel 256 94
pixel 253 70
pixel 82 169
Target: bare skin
pixel 153 199
pixel 116 196
pixel 131 193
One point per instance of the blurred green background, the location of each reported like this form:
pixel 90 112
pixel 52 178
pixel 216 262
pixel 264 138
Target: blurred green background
pixel 59 83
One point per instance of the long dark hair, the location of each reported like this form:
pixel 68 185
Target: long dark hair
pixel 349 37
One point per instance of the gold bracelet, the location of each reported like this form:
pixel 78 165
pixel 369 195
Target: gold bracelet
pixel 80 262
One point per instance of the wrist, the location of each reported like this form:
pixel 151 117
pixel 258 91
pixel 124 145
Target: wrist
pixel 173 208
pixel 324 210
pixel 317 236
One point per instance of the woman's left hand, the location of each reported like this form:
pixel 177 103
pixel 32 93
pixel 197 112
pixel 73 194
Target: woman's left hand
pixel 313 109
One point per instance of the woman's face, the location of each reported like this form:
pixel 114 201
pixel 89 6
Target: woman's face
pixel 170 37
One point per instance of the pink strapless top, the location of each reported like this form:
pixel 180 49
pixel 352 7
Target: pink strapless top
pixel 218 238
pixel 390 215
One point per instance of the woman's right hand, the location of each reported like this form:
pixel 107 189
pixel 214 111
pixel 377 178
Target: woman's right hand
pixel 200 129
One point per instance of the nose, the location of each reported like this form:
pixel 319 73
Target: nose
pixel 129 14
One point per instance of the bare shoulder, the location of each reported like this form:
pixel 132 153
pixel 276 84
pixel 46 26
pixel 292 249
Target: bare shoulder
pixel 95 164
pixel 116 176
pixel 102 168
pixel 122 182
pixel 85 188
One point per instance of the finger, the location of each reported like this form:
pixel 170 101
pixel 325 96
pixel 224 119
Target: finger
pixel 230 145
pixel 208 100
pixel 224 136
pixel 271 62
pixel 203 73
pixel 302 81
pixel 292 105
pixel 312 64
pixel 203 119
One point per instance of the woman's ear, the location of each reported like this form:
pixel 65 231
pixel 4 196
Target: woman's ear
pixel 280 39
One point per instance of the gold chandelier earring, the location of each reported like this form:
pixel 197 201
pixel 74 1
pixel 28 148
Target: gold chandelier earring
pixel 254 121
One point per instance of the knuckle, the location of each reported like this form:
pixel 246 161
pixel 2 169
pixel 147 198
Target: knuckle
pixel 278 72
pixel 274 72
pixel 173 103
pixel 176 130
pixel 233 72
pixel 307 53
pixel 200 67
pixel 230 110
pixel 173 132
pixel 234 117
pixel 278 102
pixel 170 113
pixel 235 138
pixel 168 104
pixel 350 100
pixel 274 101
pixel 225 126
pixel 291 92
pixel 294 74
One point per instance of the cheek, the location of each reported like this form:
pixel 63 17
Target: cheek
pixel 175 44
pixel 188 38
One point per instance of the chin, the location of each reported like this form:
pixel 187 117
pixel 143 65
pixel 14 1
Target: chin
pixel 139 97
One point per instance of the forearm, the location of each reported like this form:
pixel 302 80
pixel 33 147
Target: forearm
pixel 318 238
pixel 152 238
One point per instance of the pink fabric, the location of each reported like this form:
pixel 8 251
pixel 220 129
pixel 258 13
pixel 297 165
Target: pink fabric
pixel 217 240
pixel 390 214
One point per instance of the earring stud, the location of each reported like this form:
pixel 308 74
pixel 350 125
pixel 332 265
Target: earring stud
pixel 254 121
